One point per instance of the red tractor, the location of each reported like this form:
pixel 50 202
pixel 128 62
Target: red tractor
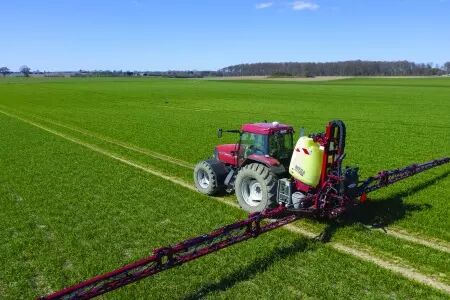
pixel 251 167
pixel 266 170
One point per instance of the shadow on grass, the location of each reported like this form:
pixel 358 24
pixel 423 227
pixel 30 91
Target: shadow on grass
pixel 380 213
pixel 258 266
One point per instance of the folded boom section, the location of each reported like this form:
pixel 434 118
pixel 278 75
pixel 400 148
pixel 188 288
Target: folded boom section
pixel 385 178
pixel 171 256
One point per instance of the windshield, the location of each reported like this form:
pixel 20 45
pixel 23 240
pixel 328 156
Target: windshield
pixel 252 143
pixel 280 145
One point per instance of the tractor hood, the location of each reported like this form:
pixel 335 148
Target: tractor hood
pixel 226 153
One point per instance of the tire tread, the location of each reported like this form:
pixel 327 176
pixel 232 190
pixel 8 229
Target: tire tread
pixel 269 180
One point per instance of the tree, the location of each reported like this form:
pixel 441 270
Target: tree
pixel 25 70
pixel 341 68
pixel 447 67
pixel 5 71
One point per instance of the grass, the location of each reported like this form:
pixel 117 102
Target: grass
pixel 71 213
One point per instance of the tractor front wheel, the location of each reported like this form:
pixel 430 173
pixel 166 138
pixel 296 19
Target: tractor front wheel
pixel 209 176
pixel 255 187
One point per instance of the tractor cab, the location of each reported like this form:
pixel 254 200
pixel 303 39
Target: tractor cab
pixel 267 143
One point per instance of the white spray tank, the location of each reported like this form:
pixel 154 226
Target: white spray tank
pixel 306 162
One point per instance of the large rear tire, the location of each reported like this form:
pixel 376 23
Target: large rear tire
pixel 209 176
pixel 256 187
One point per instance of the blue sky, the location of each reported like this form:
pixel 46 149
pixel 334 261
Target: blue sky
pixel 207 34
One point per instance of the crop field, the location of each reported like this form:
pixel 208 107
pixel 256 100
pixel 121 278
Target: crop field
pixel 96 172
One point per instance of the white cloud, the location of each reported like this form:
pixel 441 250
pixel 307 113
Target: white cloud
pixel 304 5
pixel 263 5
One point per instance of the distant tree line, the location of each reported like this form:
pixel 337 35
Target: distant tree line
pixel 343 68
pixel 170 74
pixel 25 70
pixel 287 69
pixel 103 73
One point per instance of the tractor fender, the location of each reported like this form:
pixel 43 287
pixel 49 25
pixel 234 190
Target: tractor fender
pixel 273 164
pixel 219 168
pixel 267 160
pixel 279 170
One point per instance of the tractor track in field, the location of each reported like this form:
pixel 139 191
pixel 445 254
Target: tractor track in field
pixel 405 271
pixel 433 243
pixel 128 146
pixel 114 156
pixel 102 151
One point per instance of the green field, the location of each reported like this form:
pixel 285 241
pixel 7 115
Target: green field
pixel 95 172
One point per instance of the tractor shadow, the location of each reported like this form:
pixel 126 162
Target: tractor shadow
pixel 382 212
pixel 256 267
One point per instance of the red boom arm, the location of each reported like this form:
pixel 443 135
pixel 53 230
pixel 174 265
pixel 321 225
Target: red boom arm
pixel 171 256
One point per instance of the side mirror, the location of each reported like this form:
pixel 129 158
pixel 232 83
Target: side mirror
pixel 219 133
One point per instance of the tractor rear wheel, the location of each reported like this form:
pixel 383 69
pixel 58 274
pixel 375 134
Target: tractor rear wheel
pixel 255 187
pixel 209 176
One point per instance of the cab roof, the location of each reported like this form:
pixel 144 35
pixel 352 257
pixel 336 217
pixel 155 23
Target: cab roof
pixel 266 128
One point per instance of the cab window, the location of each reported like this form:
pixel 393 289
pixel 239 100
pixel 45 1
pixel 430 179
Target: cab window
pixel 252 143
pixel 280 145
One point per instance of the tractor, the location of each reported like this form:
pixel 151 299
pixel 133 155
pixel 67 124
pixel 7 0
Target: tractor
pixel 266 170
pixel 250 167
